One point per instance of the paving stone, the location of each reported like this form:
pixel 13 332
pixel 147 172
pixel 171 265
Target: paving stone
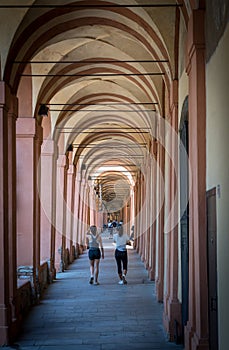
pixel 78 316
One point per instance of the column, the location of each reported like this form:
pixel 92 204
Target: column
pixel 160 223
pixel 70 207
pixel 80 214
pixel 48 210
pixel 76 212
pixel 173 310
pixel 29 137
pixel 152 205
pixel 60 245
pixel 5 314
pixel 12 116
pixel 196 331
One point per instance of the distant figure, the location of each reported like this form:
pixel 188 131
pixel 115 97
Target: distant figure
pixel 94 244
pixel 121 257
pixel 110 229
pixel 132 233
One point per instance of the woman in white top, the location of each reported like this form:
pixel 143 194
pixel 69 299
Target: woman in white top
pixel 94 244
pixel 121 257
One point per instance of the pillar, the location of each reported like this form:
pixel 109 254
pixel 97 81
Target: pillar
pixel 29 138
pixel 196 331
pixel 48 210
pixel 70 206
pixel 60 245
pixel 12 116
pixel 160 219
pixel 172 311
pixel 5 312
pixel 152 205
pixel 76 211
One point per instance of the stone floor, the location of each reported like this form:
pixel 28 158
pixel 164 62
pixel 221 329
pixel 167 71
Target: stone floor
pixel 75 315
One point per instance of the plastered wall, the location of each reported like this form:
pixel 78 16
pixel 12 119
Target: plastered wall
pixel 217 148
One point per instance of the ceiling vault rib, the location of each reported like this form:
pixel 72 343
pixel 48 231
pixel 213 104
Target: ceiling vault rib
pixel 68 6
pixel 103 110
pixel 101 104
pixel 91 61
pixel 92 75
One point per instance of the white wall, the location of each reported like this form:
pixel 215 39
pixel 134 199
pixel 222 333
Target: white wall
pixel 217 143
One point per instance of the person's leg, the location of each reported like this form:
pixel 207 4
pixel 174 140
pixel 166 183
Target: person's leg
pixel 124 264
pixel 92 271
pixel 96 270
pixel 119 263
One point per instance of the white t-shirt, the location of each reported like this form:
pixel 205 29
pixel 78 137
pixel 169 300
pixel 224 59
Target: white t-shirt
pixel 121 241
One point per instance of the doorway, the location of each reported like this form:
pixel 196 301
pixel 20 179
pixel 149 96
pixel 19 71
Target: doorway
pixel 212 269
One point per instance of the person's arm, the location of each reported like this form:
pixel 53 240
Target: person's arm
pixel 101 246
pixel 87 242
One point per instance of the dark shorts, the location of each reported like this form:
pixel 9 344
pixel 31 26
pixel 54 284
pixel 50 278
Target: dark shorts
pixel 94 254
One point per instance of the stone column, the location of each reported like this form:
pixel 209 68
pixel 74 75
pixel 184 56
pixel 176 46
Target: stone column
pixel 5 311
pixel 60 245
pixel 92 205
pixel 160 221
pixel 76 212
pixel 196 331
pixel 29 136
pixel 152 205
pixel 48 210
pixel 172 312
pixel 12 116
pixel 70 206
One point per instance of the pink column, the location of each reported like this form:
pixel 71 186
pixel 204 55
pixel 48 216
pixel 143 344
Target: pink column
pixel 173 309
pixel 81 214
pixel 92 205
pixel 29 136
pixel 70 206
pixel 196 332
pixel 148 214
pixel 47 194
pixel 12 115
pixel 153 198
pixel 76 211
pixel 60 244
pixel 160 224
pixel 5 312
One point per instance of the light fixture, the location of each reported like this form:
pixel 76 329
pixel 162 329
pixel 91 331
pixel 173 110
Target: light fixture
pixel 70 148
pixel 43 111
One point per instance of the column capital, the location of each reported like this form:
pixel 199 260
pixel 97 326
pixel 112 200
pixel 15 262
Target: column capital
pixel 196 36
pixel 49 148
pixel 28 127
pixel 62 160
pixel 5 95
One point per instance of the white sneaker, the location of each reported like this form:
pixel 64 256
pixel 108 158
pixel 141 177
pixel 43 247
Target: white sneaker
pixel 120 282
pixel 124 279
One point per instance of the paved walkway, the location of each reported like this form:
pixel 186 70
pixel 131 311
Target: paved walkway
pixel 75 315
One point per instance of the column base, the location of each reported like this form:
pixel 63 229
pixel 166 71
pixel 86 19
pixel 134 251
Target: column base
pixel 4 326
pixel 172 320
pixel 199 343
pixel 159 290
pixel 151 274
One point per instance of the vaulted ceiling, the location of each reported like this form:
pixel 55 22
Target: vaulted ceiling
pixel 104 70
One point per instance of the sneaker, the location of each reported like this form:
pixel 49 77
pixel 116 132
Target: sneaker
pixel 120 282
pixel 91 280
pixel 96 283
pixel 124 279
